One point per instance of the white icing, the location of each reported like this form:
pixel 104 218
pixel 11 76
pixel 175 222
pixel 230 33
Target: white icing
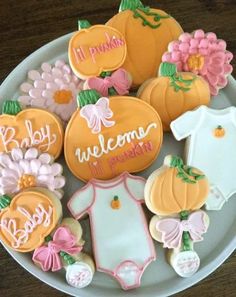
pixel 127 238
pixel 79 275
pixel 185 263
pixel 216 157
pixel 41 216
pixel 112 143
pixel 41 138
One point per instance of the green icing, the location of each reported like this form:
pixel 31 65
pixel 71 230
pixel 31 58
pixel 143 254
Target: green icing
pixel 186 236
pixel 170 70
pixel 11 107
pixel 5 201
pixel 185 172
pixel 87 97
pixel 48 238
pixel 105 74
pixel 83 24
pixel 116 198
pixel 130 5
pixel 67 258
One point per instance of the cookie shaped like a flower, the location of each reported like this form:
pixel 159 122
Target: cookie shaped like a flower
pixel 22 169
pixel 203 54
pixel 54 88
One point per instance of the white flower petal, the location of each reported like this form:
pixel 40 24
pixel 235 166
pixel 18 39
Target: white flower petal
pixel 35 93
pixel 34 75
pixel 45 169
pixel 67 78
pixel 35 165
pixel 25 100
pixel 59 182
pixel 67 69
pixel 59 63
pixel 47 77
pixel 57 73
pixel 40 84
pixel 17 154
pixel 57 169
pixel 59 82
pixel 5 160
pixel 58 193
pixel 26 87
pixel 10 174
pixel 52 86
pixel 25 165
pixel 46 67
pixel 31 153
pixel 45 180
pixel 46 158
pixel 48 94
pixel 38 102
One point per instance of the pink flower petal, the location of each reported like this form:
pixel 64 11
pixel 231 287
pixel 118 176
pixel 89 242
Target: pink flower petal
pixel 222 45
pixel 214 90
pixel 34 75
pixel 212 79
pixel 204 43
pixel 211 36
pixel 46 67
pixel 228 69
pixel 222 81
pixel 194 43
pixel 199 34
pixel 26 87
pixel 184 47
pixel 185 37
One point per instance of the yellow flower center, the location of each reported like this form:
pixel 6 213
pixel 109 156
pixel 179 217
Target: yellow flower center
pixel 62 96
pixel 26 181
pixel 196 62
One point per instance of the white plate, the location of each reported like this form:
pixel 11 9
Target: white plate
pixel 159 279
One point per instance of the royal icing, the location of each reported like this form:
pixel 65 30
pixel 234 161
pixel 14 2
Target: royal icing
pixel 199 127
pixel 117 83
pixel 172 93
pixel 24 225
pixel 143 28
pixel 22 169
pixel 62 242
pixel 203 54
pixel 127 227
pixel 95 49
pixel 31 128
pixel 79 275
pixel 53 87
pixel 127 140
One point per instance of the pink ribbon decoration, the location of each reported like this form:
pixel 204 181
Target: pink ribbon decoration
pixel 48 256
pixel 172 229
pixel 119 80
pixel 97 114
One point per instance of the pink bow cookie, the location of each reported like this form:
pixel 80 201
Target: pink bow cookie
pixel 172 229
pixel 48 256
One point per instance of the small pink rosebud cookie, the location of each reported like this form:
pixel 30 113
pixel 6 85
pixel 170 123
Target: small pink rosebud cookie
pixel 203 54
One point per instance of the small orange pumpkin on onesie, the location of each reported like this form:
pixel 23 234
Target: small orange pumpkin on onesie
pixel 147 32
pixel 173 93
pixel 31 127
pixel 107 136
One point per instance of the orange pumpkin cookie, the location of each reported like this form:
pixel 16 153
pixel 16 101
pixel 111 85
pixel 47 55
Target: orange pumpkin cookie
pixel 173 93
pixel 95 49
pixel 174 188
pixel 106 137
pixel 30 128
pixel 147 32
pixel 28 218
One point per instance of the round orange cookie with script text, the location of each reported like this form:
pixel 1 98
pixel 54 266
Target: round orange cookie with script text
pixel 108 136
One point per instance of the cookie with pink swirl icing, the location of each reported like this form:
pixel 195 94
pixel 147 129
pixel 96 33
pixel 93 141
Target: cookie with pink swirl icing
pixel 21 169
pixel 203 54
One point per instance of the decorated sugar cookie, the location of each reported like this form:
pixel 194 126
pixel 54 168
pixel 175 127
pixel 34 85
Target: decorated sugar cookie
pixel 217 157
pixel 28 218
pixel 108 136
pixel 203 54
pixel 21 169
pixel 54 87
pixel 30 128
pixel 173 93
pixel 63 250
pixel 175 193
pixel 95 49
pixel 147 32
pixel 117 203
pixel 110 83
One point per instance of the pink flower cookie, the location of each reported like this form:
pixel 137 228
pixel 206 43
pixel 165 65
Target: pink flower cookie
pixel 22 169
pixel 63 250
pixel 203 54
pixel 54 88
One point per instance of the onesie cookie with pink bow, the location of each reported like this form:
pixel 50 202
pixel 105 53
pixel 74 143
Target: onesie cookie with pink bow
pixel 175 193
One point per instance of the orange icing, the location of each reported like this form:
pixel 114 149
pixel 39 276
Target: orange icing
pixel 145 45
pixel 24 213
pixel 195 62
pixel 31 128
pixel 26 181
pixel 63 96
pixel 96 49
pixel 129 114
pixel 171 104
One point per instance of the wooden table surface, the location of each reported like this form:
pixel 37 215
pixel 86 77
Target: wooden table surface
pixel 26 25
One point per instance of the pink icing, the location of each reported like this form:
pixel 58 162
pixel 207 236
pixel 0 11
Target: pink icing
pixel 98 114
pixel 47 256
pixel 172 229
pixel 119 80
pixel 217 59
pixel 19 162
